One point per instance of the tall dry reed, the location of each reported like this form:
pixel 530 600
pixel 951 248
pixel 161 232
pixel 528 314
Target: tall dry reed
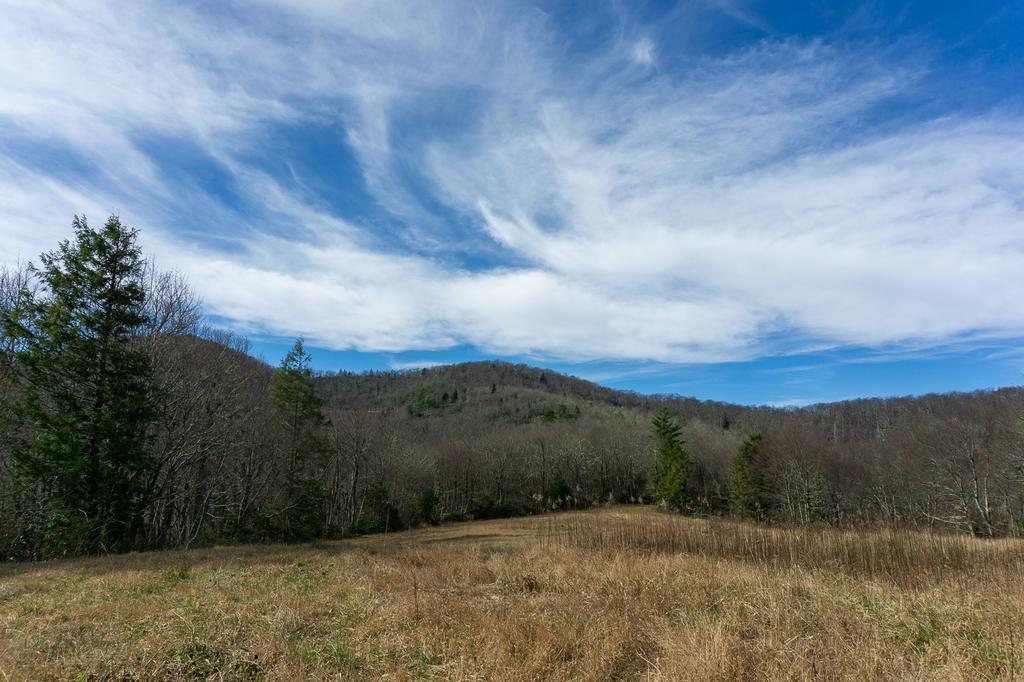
pixel 903 557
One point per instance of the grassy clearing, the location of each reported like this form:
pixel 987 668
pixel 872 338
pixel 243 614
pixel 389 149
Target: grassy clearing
pixel 903 557
pixel 623 593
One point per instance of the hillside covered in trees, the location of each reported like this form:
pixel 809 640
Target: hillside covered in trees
pixel 127 423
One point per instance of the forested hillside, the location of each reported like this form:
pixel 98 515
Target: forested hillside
pixel 127 423
pixel 951 461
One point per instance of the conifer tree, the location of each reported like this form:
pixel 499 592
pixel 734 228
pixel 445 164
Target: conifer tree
pixel 88 397
pixel 671 485
pixel 294 398
pixel 748 492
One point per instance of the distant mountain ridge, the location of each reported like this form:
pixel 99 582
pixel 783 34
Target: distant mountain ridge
pixel 480 379
pixel 475 380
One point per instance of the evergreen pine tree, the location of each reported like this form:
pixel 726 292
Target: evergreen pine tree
pixel 748 492
pixel 293 395
pixel 671 485
pixel 88 398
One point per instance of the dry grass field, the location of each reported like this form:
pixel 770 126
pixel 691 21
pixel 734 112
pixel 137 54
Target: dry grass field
pixel 620 593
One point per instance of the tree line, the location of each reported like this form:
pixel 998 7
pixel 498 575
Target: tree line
pixel 127 423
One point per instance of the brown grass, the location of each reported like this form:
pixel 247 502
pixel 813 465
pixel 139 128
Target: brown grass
pixel 624 593
pixel 903 557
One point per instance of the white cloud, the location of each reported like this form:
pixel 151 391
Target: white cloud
pixel 414 364
pixel 797 402
pixel 734 9
pixel 643 52
pixel 674 217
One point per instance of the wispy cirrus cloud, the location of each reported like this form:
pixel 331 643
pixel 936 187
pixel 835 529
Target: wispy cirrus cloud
pixel 526 195
pixel 402 365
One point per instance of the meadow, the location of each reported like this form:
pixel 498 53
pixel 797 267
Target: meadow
pixel 612 593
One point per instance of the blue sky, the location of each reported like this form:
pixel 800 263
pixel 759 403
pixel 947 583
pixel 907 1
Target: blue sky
pixel 763 202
